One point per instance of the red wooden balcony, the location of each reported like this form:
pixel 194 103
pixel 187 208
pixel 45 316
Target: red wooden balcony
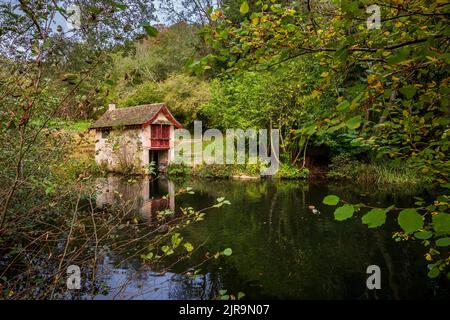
pixel 160 136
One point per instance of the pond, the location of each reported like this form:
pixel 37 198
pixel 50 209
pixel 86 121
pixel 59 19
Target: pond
pixel 281 248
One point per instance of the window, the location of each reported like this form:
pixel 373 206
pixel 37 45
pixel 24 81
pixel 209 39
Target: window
pixel 160 136
pixel 105 134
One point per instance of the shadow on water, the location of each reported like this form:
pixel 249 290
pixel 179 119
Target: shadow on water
pixel 281 248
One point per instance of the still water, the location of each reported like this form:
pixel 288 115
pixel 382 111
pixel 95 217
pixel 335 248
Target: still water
pixel 281 248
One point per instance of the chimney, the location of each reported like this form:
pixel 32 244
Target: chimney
pixel 111 106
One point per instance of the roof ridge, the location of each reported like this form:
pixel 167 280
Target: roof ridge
pixel 140 106
pixel 134 115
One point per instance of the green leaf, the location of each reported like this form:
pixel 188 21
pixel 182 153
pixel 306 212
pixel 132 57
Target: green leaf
pixel 240 295
pixel 443 242
pixel 423 235
pixel 119 5
pixel 165 248
pixel 410 221
pixel 401 55
pixel 433 273
pixel 310 130
pixel 151 31
pixel 374 218
pixel 148 256
pixel 408 91
pixel 331 200
pixel 343 105
pixel 244 7
pixel 441 222
pixel 227 252
pixel 354 123
pixel 188 246
pixel 343 213
pixel 176 240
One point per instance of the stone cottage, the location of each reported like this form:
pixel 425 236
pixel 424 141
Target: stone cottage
pixel 129 139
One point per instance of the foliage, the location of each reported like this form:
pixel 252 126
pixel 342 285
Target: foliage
pixel 213 171
pixel 389 86
pixel 243 101
pixel 83 168
pixel 390 83
pixel 69 125
pixel 147 92
pixel 289 172
pixel 152 59
pixel 178 169
pixel 429 224
pixel 151 168
pixel 184 95
pixel 154 71
pixel 375 172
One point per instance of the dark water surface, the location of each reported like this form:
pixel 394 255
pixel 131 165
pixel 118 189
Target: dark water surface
pixel 281 249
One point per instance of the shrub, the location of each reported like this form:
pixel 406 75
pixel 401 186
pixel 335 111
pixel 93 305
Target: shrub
pixel 213 171
pixel 83 168
pixel 178 169
pixel 286 171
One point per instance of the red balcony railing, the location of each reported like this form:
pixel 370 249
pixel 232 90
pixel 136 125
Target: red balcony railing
pixel 160 136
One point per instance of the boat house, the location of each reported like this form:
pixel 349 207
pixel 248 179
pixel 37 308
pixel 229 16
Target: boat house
pixel 129 139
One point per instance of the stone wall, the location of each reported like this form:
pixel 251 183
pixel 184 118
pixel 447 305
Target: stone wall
pixel 121 150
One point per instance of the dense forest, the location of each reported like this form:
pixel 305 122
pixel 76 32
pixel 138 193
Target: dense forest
pixel 354 101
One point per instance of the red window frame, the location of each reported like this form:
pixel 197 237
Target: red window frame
pixel 159 136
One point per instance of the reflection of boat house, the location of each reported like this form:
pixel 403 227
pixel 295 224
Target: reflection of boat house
pixel 161 196
pixel 133 137
pixel 145 197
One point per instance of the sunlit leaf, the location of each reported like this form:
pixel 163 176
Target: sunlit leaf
pixel 343 105
pixel 374 218
pixel 331 200
pixel 244 7
pixel 354 123
pixel 343 213
pixel 188 246
pixel 410 221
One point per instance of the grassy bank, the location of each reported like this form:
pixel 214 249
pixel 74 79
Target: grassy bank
pixel 375 172
pixel 242 171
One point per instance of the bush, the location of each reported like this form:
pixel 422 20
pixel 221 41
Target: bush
pixel 213 171
pixel 147 92
pixel 178 170
pixel 184 95
pixel 286 171
pixel 82 168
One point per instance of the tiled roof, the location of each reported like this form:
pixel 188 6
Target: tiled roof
pixel 130 116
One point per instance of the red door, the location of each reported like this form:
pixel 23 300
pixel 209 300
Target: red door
pixel 160 136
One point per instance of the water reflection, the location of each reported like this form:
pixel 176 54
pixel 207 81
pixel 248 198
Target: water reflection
pixel 143 196
pixel 281 248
